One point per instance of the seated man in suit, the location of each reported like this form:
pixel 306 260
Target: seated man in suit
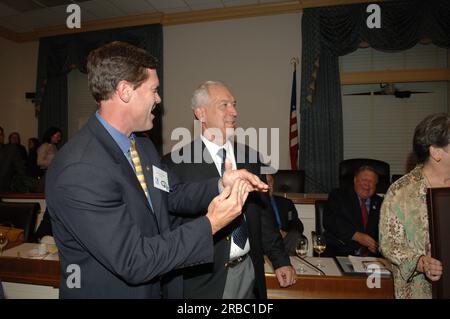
pixel 351 216
pixel 291 227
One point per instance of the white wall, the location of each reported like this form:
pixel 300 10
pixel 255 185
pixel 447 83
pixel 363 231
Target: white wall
pixel 382 126
pixel 18 65
pixel 252 55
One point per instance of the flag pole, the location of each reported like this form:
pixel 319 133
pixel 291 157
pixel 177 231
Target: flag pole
pixel 293 126
pixel 295 61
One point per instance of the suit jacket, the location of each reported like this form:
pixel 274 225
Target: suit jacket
pixel 288 214
pixel 208 281
pixel 11 164
pixel 103 222
pixel 290 223
pixel 342 218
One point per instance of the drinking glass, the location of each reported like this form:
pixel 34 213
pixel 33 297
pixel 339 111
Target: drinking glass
pixel 302 250
pixel 3 242
pixel 319 246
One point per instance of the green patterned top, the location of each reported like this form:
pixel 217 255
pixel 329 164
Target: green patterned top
pixel 404 234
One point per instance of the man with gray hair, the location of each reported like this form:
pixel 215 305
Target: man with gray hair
pixel 238 267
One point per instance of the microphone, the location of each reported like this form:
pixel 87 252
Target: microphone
pixel 312 266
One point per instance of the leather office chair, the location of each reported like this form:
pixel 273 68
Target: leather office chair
pixel 319 207
pixel 289 181
pixel 347 169
pixel 20 215
pixel 319 229
pixel 395 177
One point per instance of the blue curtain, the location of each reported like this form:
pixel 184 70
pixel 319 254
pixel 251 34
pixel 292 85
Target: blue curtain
pixel 60 54
pixel 330 32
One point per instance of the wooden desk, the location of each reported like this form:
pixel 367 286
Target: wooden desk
pixel 46 273
pixel 12 195
pixel 30 271
pixel 329 287
pixel 303 198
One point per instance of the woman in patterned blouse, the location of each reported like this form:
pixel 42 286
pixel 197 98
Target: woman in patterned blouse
pixel 404 232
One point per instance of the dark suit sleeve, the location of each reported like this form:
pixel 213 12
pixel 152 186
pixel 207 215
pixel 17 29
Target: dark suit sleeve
pixel 335 220
pixel 272 242
pixel 91 207
pixel 191 197
pixel 295 223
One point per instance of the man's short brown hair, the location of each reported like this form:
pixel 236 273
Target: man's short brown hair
pixel 114 62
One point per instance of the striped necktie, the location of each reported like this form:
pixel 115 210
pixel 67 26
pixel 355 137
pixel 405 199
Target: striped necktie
pixel 138 167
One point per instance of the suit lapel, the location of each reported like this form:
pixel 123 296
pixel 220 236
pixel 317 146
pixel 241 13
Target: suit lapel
pixel 209 168
pixel 147 168
pixel 355 209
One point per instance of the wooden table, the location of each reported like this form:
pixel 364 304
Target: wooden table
pixel 330 287
pixel 30 271
pixel 46 273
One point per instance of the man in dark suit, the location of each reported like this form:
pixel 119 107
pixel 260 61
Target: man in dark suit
pixel 108 194
pixel 238 268
pixel 291 227
pixel 351 216
pixel 11 163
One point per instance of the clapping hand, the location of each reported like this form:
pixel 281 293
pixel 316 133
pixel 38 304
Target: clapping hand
pixel 252 182
pixel 226 206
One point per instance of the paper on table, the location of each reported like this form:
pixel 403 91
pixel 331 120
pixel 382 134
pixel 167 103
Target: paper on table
pixel 31 250
pixel 370 264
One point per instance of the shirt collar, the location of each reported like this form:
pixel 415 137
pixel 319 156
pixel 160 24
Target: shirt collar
pixel 366 201
pixel 121 139
pixel 213 148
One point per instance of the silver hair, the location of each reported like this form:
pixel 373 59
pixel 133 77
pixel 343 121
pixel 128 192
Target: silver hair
pixel 201 94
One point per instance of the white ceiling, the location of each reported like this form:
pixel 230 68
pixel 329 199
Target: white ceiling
pixel 26 15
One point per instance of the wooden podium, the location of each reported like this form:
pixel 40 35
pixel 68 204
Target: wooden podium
pixel 438 202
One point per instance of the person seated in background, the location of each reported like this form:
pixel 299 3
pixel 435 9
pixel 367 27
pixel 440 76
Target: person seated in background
pixel 44 229
pixel 14 138
pixel 47 151
pixel 11 164
pixel 291 227
pixel 351 216
pixel 33 169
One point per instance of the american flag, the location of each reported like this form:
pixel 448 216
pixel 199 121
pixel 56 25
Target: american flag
pixel 293 130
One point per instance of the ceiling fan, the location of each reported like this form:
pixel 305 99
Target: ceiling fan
pixel 389 89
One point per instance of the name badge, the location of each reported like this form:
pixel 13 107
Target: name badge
pixel 160 179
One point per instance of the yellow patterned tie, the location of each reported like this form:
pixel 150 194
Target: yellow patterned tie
pixel 137 166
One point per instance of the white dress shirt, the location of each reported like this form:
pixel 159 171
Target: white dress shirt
pixel 213 149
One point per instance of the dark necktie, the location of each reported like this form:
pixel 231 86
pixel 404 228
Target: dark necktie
pixel 240 232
